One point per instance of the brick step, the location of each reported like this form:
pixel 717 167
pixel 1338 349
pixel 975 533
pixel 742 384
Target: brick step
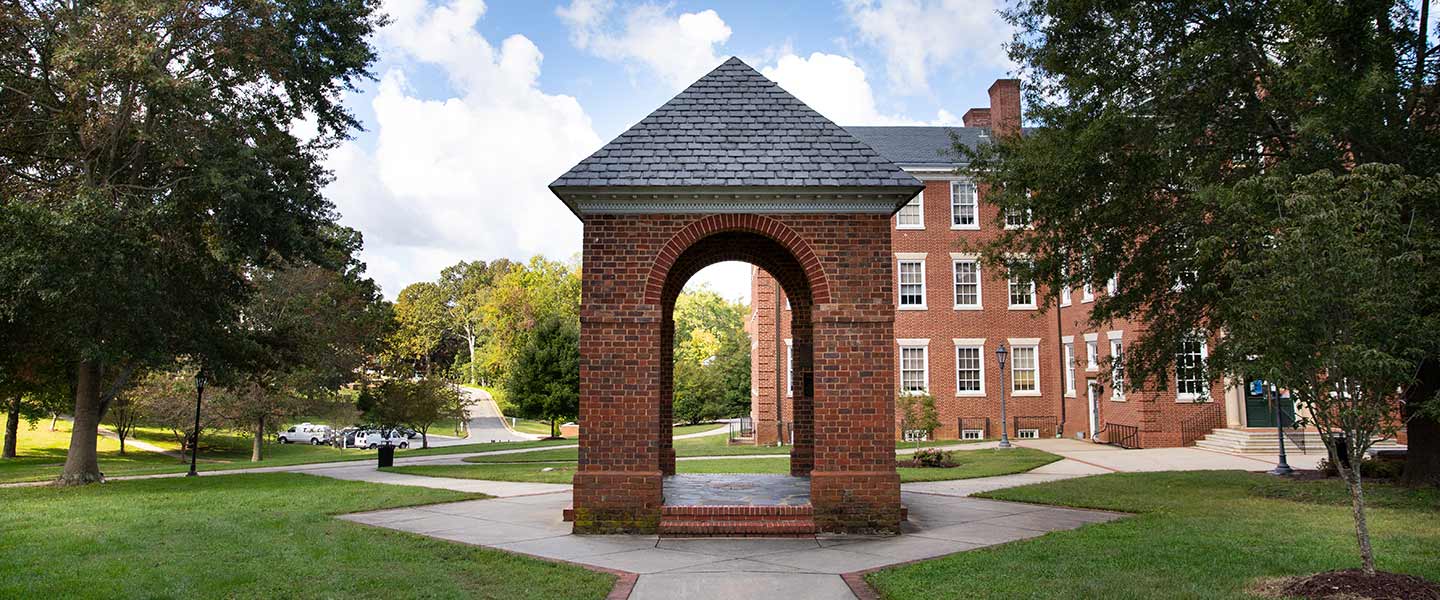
pixel 738 528
pixel 737 521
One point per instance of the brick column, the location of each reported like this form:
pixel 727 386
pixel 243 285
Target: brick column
pixel 854 487
pixel 665 440
pixel 802 455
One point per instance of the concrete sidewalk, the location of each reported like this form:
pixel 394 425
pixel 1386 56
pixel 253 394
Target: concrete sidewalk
pixel 1114 459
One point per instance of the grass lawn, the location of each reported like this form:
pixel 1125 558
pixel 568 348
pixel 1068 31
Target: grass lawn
pixel 251 536
pixel 42 453
pixel 1205 534
pixel 974 463
pixel 712 445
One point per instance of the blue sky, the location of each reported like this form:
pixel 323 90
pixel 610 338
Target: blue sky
pixel 478 106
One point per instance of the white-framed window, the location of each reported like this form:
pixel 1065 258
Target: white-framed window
pixel 964 205
pixel 1017 218
pixel 1112 285
pixel 912 215
pixel 1087 293
pixel 967 283
pixel 1117 367
pixel 969 367
pixel 1190 380
pixel 972 434
pixel 789 368
pixel 1027 434
pixel 911 271
pixel 1025 368
pixel 1065 296
pixel 1022 293
pixel 1070 369
pixel 1092 354
pixel 916 435
pixel 914 366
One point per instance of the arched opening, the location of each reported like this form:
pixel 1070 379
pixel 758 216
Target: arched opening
pixel 789 422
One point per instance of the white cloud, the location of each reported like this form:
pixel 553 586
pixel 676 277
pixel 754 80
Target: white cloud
pixel 677 48
pixel 919 36
pixel 836 87
pixel 464 176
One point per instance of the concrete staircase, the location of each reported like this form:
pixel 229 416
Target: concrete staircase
pixel 737 521
pixel 1262 441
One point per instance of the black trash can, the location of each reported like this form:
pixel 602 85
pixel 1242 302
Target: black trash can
pixel 387 456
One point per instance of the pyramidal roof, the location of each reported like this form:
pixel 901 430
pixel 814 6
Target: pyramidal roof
pixel 735 135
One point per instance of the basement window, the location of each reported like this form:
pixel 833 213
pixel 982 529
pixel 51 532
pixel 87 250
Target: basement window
pixel 1027 434
pixel 972 434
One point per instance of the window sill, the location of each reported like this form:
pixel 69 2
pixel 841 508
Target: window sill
pixel 1070 394
pixel 1022 307
pixel 921 307
pixel 1193 399
pixel 1095 369
pixel 1115 399
pixel 964 228
pixel 910 227
pixel 979 394
pixel 968 307
pixel 1024 394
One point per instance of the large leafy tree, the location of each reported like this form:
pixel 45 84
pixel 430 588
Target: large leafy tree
pixel 306 331
pixel 468 286
pixel 712 357
pixel 522 297
pixel 1336 307
pixel 148 158
pixel 421 317
pixel 544 382
pixel 1148 116
pixel 415 404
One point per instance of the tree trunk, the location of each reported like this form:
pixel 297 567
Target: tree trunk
pixel 1357 509
pixel 257 448
pixel 554 428
pixel 1422 457
pixel 54 418
pixel 120 433
pixel 12 429
pixel 424 438
pixel 472 359
pixel 82 466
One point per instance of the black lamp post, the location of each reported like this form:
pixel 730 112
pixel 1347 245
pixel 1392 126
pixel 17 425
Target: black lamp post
pixel 195 438
pixel 1004 427
pixel 1284 467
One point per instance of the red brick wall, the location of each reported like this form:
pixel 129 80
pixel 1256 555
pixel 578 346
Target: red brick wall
pixel 838 269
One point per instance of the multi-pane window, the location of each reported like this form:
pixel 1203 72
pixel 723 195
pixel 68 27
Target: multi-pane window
pixel 789 368
pixel 967 369
pixel 1070 369
pixel 1017 218
pixel 1117 370
pixel 1190 381
pixel 967 284
pixel 1112 285
pixel 912 215
pixel 1022 293
pixel 913 370
pixel 1092 355
pixel 964 211
pixel 1065 296
pixel 1024 369
pixel 912 283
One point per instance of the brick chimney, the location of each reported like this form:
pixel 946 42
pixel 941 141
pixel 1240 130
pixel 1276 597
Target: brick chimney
pixel 976 117
pixel 1005 107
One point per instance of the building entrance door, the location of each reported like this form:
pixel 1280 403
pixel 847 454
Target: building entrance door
pixel 1259 412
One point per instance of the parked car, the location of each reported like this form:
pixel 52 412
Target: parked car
pixel 306 433
pixel 374 438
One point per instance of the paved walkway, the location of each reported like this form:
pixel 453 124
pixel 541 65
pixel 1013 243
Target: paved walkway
pixel 791 568
pixel 1112 458
pixel 487 423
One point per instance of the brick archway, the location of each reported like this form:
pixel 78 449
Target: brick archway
pixel 736 168
pixel 780 261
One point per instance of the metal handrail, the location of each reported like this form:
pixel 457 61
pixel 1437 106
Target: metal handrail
pixel 1200 424
pixel 1124 436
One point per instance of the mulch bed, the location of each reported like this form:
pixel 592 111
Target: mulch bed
pixel 912 463
pixel 1353 584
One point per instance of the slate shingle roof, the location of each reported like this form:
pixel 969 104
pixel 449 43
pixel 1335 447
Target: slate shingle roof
pixel 733 128
pixel 920 146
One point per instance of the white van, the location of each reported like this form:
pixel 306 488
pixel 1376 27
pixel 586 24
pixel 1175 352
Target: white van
pixel 307 433
pixel 375 438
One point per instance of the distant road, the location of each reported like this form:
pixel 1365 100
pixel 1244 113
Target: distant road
pixel 486 422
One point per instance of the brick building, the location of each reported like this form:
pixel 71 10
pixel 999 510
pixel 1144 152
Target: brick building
pixel 951 314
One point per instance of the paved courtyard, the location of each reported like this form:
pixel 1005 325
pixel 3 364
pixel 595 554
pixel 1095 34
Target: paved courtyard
pixel 941 522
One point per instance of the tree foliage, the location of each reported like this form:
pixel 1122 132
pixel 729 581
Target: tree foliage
pixel 416 404
pixel 1146 118
pixel 712 357
pixel 917 413
pixel 149 157
pixel 544 383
